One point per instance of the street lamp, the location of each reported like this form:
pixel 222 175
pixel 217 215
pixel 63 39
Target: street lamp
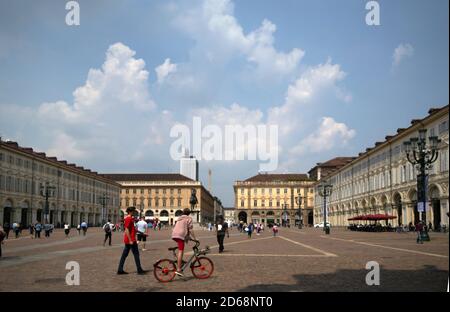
pixel 104 200
pixel 325 190
pixel 285 214
pixel 421 155
pixel 46 191
pixel 142 207
pixel 298 200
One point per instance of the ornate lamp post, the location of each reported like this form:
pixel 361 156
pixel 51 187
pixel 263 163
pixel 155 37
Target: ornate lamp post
pixel 46 191
pixel 298 200
pixel 421 155
pixel 141 207
pixel 285 214
pixel 104 201
pixel 325 190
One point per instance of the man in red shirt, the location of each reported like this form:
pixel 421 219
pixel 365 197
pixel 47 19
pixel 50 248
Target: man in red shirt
pixel 129 238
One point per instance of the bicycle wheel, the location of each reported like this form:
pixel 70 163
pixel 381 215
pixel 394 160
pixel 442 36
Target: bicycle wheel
pixel 202 267
pixel 164 270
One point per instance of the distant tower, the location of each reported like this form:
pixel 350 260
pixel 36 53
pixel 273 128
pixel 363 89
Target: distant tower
pixel 189 166
pixel 209 180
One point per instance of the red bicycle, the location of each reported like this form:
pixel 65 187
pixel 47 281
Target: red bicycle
pixel 202 267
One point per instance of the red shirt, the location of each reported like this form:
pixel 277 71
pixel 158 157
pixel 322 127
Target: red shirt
pixel 129 224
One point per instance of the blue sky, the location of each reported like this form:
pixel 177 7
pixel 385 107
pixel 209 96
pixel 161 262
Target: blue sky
pixel 331 82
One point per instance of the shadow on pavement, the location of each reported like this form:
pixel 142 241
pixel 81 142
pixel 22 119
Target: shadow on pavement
pixel 428 279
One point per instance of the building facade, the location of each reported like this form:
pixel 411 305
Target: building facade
pixel 381 180
pixel 229 215
pixel 77 196
pixel 189 167
pixel 163 196
pixel 271 198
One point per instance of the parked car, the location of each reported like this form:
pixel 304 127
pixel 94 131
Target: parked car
pixel 320 225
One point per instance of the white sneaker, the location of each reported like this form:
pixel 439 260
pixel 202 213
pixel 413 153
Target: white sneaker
pixel 180 274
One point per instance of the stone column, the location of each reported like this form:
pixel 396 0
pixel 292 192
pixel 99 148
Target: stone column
pixel 444 209
pixel 16 215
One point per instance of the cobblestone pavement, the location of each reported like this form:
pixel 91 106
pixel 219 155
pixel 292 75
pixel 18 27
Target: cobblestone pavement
pixel 296 260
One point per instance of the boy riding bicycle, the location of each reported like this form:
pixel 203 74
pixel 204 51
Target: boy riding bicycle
pixel 182 232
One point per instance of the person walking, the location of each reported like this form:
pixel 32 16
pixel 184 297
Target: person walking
pixel 66 229
pixel 84 227
pixel 222 230
pixel 6 229
pixel 31 230
pixel 37 229
pixel 142 232
pixel 419 229
pixel 250 228
pixel 181 233
pixel 79 229
pixel 107 227
pixel 275 230
pixel 2 238
pixel 129 239
pixel 16 229
pixel 47 229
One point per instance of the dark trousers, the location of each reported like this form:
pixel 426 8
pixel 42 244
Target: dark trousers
pixel 220 239
pixel 0 249
pixel 126 250
pixel 7 233
pixel 37 234
pixel 47 233
pixel 107 235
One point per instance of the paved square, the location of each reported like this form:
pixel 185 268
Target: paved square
pixel 295 260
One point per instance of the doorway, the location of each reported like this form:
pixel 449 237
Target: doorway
pixel 436 204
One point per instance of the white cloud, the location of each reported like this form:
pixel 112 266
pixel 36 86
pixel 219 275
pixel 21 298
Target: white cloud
pixel 329 135
pixel 235 114
pixel 122 82
pixel 220 37
pixel 65 147
pixel 402 51
pixel 163 70
pixel 306 91
pixel 110 111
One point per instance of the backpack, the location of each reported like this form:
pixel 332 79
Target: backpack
pixel 107 228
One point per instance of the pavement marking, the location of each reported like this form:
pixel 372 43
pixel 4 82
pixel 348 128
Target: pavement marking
pixel 49 244
pixel 388 247
pixel 267 255
pixel 328 254
pixel 18 260
pixel 233 243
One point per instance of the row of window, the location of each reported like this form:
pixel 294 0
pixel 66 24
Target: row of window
pixel 28 164
pixel 400 174
pixel 263 191
pixel 262 203
pixel 157 191
pixel 19 185
pixel 397 151
pixel 133 202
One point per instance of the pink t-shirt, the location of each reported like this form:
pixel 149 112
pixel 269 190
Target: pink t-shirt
pixel 182 227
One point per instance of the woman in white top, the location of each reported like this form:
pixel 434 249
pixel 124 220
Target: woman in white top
pixel 66 229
